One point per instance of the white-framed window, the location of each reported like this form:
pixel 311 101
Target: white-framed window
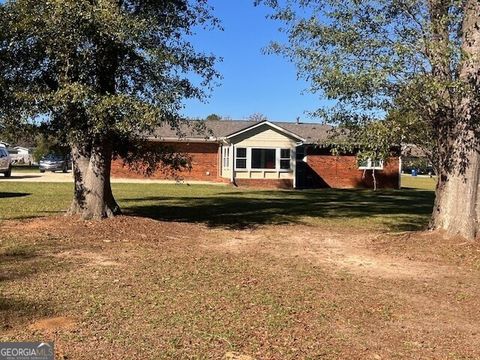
pixel 241 158
pixel 226 157
pixel 369 164
pixel 257 158
pixel 263 159
pixel 285 159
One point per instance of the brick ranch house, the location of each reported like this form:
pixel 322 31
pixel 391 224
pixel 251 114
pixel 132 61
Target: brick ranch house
pixel 268 155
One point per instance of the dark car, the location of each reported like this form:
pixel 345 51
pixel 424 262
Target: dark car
pixel 54 162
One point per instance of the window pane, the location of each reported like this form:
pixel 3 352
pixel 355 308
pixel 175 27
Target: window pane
pixel 285 164
pixel 285 153
pixel 241 152
pixel 241 163
pixel 263 158
pixel 363 163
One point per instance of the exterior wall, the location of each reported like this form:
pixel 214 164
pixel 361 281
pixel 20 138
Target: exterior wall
pixel 204 161
pixel 321 168
pixel 342 172
pixel 265 183
pixel 264 174
pixel 262 137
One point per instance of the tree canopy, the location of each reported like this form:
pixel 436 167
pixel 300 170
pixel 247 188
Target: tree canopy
pixel 102 74
pixel 414 64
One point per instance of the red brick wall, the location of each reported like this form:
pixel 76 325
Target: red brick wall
pixel 343 172
pixel 204 161
pixel 265 183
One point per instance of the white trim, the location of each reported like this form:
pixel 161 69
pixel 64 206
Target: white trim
pixel 293 159
pixel 266 122
pixel 277 168
pixel 232 162
pixel 235 158
pixel 249 158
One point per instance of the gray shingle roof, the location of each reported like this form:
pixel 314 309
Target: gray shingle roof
pixel 218 129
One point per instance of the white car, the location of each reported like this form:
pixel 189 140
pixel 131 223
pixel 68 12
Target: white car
pixel 5 162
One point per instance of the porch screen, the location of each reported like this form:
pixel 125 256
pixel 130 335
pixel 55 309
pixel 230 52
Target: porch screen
pixel 263 159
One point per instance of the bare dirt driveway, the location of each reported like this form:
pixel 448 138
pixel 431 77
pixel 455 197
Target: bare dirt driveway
pixel 145 289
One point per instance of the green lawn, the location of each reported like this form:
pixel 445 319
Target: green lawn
pixel 418 182
pixel 233 208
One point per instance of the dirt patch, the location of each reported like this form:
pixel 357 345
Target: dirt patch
pixel 91 258
pixel 158 290
pixel 347 251
pixel 53 324
pixel 236 356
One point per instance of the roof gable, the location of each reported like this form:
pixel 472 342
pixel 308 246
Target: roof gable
pixel 265 123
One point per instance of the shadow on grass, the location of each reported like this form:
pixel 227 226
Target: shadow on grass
pixel 4 195
pixel 399 210
pixel 15 312
pixel 19 263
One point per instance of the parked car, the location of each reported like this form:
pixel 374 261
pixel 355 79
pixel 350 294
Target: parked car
pixel 5 162
pixel 54 162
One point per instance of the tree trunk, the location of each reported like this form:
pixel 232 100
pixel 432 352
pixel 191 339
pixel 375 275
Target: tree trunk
pixel 457 204
pixel 93 197
pixel 80 160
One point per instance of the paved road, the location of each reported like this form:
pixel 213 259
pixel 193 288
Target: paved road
pixel 59 177
pixel 22 176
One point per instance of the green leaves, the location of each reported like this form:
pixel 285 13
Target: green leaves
pixel 398 61
pixel 103 68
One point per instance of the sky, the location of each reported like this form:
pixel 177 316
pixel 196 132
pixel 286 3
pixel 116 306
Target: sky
pixel 252 82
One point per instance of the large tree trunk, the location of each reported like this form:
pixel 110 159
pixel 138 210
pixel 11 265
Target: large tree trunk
pixel 93 197
pixel 457 204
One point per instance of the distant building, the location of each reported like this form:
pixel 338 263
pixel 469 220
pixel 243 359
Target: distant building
pixel 268 155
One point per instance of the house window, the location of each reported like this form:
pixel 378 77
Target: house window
pixel 226 157
pixel 369 164
pixel 285 160
pixel 241 161
pixel 263 159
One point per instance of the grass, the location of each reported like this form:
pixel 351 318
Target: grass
pixel 232 208
pixel 419 182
